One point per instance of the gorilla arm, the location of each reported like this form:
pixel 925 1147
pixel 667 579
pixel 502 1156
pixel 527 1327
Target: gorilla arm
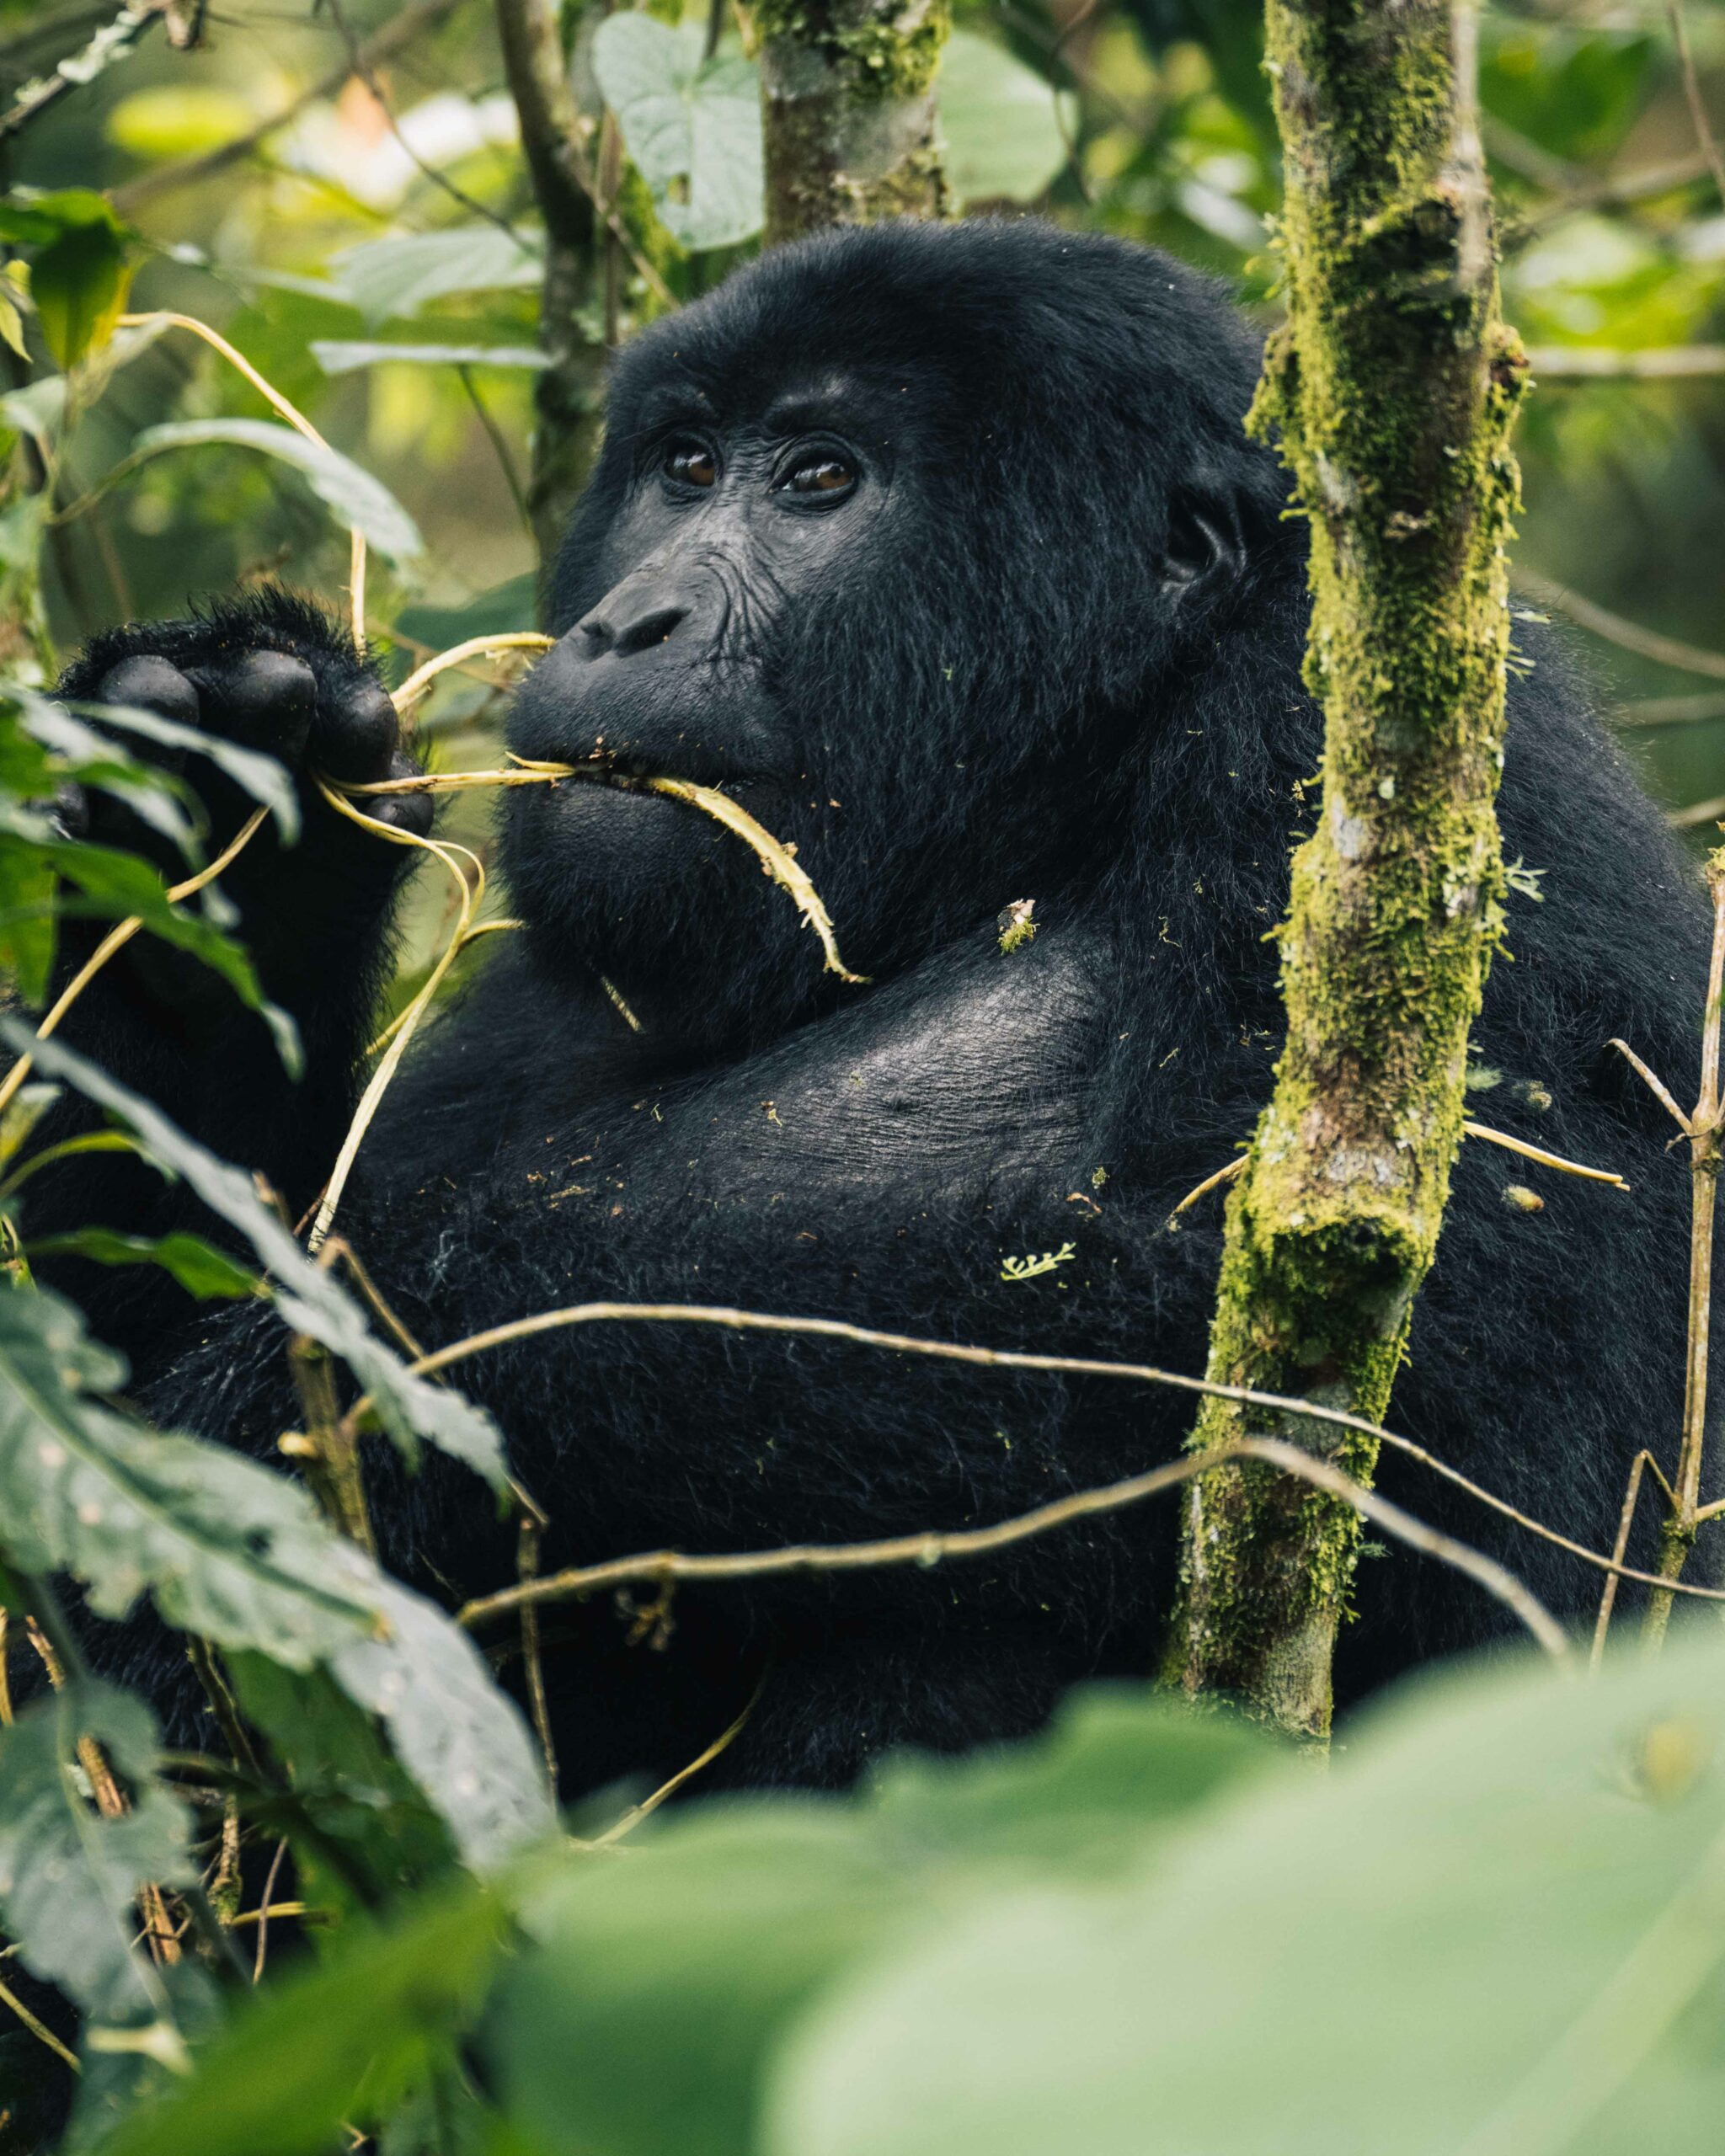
pixel 273 674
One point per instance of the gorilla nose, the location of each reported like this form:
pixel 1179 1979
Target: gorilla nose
pixel 626 622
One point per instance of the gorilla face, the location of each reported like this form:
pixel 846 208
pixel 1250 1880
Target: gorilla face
pixel 728 521
pixel 826 563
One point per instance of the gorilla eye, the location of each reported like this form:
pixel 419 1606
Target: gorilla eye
pixel 821 475
pixel 692 462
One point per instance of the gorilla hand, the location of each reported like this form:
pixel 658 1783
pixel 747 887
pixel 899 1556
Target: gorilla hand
pixel 319 710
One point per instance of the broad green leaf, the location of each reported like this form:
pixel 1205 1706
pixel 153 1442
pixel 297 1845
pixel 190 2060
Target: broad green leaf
pixel 337 355
pixel 691 126
pixel 386 277
pixel 225 1548
pixel 262 777
pixel 643 2022
pixel 357 498
pixel 69 1878
pixel 79 282
pixel 1496 1925
pixel 309 1297
pixel 1000 124
pixel 36 410
pixel 513 605
pixel 200 1270
pixel 230 1551
pixel 338 2042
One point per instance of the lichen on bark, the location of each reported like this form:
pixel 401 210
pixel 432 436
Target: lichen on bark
pixel 847 97
pixel 1392 390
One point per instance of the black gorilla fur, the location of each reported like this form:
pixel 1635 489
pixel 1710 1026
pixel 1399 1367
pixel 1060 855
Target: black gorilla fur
pixel 1060 661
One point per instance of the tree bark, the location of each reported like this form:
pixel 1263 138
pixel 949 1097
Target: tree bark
pixel 847 101
pixel 566 393
pixel 1392 389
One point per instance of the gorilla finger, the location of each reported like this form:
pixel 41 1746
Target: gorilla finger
pixel 147 683
pixel 411 812
pixel 261 700
pixel 356 732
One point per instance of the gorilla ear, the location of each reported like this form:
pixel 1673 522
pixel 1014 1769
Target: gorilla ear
pixel 1206 545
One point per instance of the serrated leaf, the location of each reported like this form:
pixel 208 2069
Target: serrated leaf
pixel 361 501
pixel 691 126
pixel 201 1269
pixel 237 1555
pixel 69 1878
pixel 386 277
pixel 225 1548
pixel 310 1298
pixel 339 356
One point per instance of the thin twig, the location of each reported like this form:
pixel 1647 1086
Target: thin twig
pixel 39 2029
pixel 928 1548
pixel 1670 711
pixel 1646 644
pixel 1538 1153
pixel 1552 363
pixel 644 1809
pixel 499 447
pixel 1008 1358
pixel 264 1909
pixel 405 29
pixel 1235 1168
pixel 111 44
pixel 1655 1085
pixel 1692 92
pixel 530 1535
pixel 1608 1594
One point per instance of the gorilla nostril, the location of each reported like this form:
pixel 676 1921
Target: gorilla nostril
pixel 597 633
pixel 625 630
pixel 656 626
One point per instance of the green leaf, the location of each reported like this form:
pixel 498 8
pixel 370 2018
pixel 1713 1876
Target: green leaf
pixel 643 2022
pixel 230 1551
pixel 337 355
pixel 309 1297
pixel 262 777
pixel 386 277
pixel 691 126
pixel 180 120
pixel 338 2042
pixel 1497 1925
pixel 69 1878
pixel 200 1270
pixel 357 498
pixel 1000 124
pixel 79 280
pixel 225 1548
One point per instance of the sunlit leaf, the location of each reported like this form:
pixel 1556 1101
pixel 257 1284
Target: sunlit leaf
pixel 999 122
pixel 692 126
pixel 337 356
pixel 385 277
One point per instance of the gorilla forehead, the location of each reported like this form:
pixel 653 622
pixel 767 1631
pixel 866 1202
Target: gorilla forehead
pixel 1000 321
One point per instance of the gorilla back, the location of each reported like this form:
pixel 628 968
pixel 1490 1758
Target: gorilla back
pixel 941 550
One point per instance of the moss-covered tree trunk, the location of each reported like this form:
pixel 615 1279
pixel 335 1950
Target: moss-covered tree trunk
pixel 847 99
pixel 1391 389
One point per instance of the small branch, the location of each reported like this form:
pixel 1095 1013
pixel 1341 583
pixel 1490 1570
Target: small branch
pixel 1692 92
pixel 326 1450
pixel 1642 1462
pixel 644 1809
pixel 1006 1358
pixel 1539 1153
pixel 1698 812
pixel 1658 363
pixel 111 44
pixel 406 29
pixel 1670 711
pixel 1646 644
pixel 1655 1086
pixel 39 2029
pixel 929 1548
pixel 1235 1168
pixel 1621 193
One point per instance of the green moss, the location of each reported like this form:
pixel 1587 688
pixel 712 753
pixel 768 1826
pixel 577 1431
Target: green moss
pixel 1391 393
pixel 879 50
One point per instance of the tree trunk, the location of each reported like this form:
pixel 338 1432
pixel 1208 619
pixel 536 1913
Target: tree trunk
pixel 566 393
pixel 1392 389
pixel 847 99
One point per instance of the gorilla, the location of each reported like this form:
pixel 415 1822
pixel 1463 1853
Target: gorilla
pixel 940 548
